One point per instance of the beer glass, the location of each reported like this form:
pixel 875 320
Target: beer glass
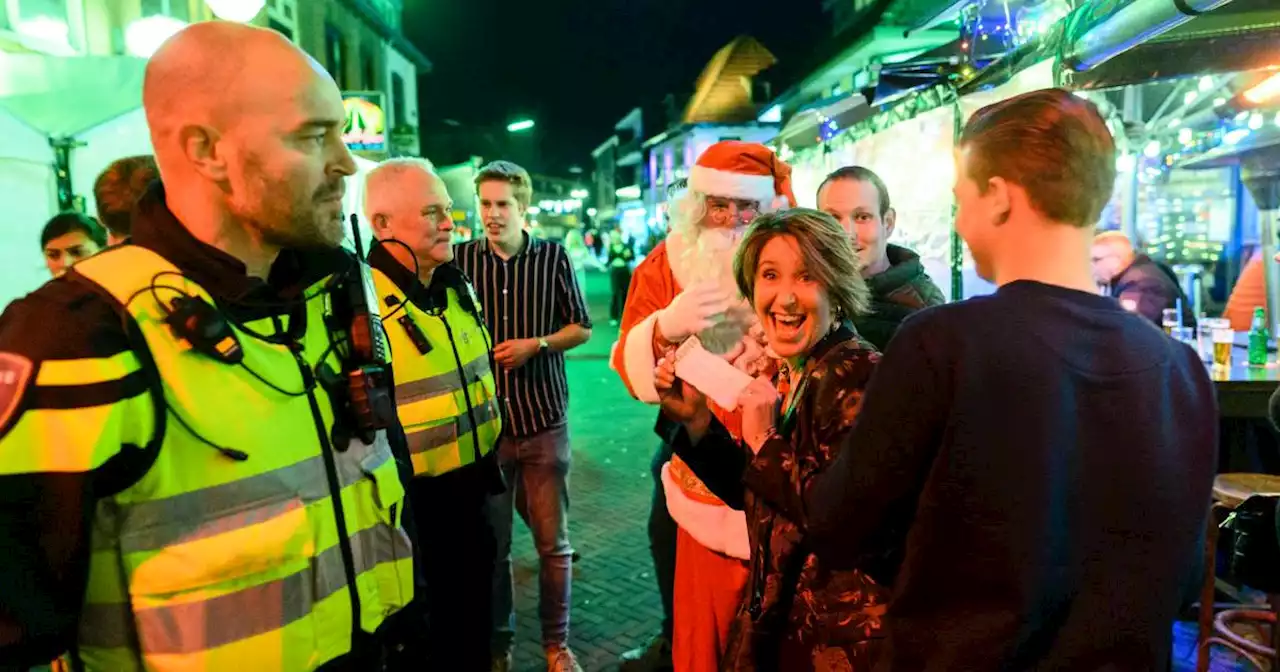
pixel 1204 340
pixel 1223 341
pixel 1170 320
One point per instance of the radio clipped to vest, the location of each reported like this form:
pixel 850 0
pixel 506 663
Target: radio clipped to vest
pixel 197 322
pixel 363 389
pixel 410 327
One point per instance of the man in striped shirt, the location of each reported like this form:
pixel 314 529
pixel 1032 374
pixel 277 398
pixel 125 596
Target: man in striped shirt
pixel 535 311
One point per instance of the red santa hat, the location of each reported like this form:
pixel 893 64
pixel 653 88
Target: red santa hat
pixel 743 170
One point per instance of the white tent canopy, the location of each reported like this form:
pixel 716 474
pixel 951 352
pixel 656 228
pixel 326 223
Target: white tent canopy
pixel 66 96
pixel 95 100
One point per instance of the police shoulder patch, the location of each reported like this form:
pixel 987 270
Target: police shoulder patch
pixel 15 372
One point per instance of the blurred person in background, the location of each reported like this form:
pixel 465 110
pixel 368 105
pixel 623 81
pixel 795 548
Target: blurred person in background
pixel 799 613
pixel 580 255
pixel 858 199
pixel 117 190
pixel 1249 292
pixel 69 237
pixel 1141 284
pixel 621 256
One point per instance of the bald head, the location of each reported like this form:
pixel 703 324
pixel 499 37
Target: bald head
pixel 1112 253
pixel 217 72
pixel 247 132
pixel 383 185
pixel 406 201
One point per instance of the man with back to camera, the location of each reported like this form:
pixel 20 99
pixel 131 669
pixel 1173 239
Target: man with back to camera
pixel 859 200
pixel 1024 521
pixel 175 500
pixel 535 312
pixel 447 402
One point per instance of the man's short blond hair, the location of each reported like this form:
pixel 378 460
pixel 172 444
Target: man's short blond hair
pixel 517 177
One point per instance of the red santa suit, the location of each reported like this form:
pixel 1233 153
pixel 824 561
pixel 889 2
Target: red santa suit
pixel 712 544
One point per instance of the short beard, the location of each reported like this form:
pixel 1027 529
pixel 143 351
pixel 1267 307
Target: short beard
pixel 295 226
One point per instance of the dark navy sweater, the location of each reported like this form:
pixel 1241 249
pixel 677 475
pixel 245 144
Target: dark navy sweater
pixel 1041 462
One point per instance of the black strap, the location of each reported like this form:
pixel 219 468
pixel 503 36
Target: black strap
pixel 1187 9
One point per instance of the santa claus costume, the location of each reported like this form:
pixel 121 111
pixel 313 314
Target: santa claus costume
pixel 671 300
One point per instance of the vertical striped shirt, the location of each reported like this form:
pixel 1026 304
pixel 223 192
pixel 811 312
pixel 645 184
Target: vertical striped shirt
pixel 531 295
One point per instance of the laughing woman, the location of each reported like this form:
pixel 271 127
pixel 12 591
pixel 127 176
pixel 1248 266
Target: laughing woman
pixel 801 275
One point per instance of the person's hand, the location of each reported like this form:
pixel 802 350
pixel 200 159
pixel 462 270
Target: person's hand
pixel 691 311
pixel 513 354
pixel 759 405
pixel 680 401
pixel 739 350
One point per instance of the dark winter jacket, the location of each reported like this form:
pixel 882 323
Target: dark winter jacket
pixel 899 291
pixel 1152 287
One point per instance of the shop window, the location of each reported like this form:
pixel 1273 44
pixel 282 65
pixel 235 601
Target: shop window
pixel 33 10
pixel 44 20
pixel 367 65
pixel 178 9
pixel 280 17
pixel 333 53
pixel 275 25
pixel 397 99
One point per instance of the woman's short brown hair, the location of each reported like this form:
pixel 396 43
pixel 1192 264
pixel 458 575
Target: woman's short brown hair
pixel 505 171
pixel 1053 144
pixel 828 256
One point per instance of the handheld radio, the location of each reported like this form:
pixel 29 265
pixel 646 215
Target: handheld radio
pixel 368 382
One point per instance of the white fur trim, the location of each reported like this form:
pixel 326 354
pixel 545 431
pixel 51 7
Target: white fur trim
pixel 719 528
pixel 725 184
pixel 637 359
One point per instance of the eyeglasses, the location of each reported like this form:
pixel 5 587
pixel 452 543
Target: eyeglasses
pixel 438 213
pixel 723 210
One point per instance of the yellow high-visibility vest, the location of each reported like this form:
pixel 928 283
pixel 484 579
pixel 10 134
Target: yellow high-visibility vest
pixel 446 397
pixel 209 563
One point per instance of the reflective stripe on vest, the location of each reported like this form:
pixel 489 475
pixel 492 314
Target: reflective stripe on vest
pixel 432 393
pixel 88 407
pixel 211 563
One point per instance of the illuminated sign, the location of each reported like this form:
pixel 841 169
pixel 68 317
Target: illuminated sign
pixel 365 128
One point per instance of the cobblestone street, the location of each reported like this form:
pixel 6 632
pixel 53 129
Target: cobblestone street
pixel 615 600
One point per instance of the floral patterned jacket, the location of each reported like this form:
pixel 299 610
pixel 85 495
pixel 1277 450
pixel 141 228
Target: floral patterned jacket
pixel 797 614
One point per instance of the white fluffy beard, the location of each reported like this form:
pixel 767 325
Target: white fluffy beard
pixel 698 254
pixel 707 257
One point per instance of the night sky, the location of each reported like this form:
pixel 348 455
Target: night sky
pixel 578 66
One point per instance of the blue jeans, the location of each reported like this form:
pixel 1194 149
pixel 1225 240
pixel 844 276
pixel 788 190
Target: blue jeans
pixel 536 469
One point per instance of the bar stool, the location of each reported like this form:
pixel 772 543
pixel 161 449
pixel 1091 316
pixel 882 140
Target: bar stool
pixel 1249 503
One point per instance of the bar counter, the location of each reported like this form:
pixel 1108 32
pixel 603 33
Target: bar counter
pixel 1247 442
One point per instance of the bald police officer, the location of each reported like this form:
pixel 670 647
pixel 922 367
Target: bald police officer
pixel 183 482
